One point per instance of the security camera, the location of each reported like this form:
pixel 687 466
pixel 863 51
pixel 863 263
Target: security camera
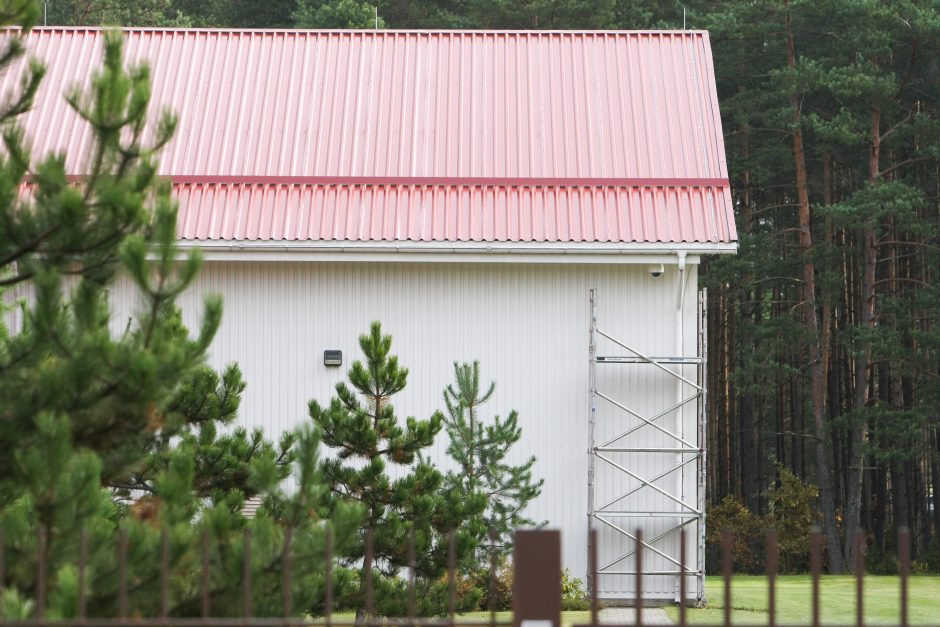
pixel 656 270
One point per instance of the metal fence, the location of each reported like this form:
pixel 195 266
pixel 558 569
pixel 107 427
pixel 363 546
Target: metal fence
pixel 772 563
pixel 536 586
pixel 126 614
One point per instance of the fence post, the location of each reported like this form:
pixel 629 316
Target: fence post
pixel 772 557
pixel 860 578
pixel 638 578
pixel 727 570
pixel 82 562
pixel 536 585
pixel 815 567
pixel 592 571
pixel 2 558
pixel 41 564
pixel 904 569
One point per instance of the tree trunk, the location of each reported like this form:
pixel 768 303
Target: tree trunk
pixel 879 509
pixel 750 462
pixel 858 433
pixel 900 478
pixel 747 407
pixel 823 468
pixel 731 442
pixel 899 495
pixel 713 468
pixel 935 480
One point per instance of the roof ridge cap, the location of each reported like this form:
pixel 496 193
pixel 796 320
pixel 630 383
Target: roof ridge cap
pixel 405 31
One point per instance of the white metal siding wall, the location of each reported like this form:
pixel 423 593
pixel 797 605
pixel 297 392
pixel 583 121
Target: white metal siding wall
pixel 527 324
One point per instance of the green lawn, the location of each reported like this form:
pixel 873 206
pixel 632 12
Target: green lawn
pixel 749 602
pixel 837 601
pixel 568 619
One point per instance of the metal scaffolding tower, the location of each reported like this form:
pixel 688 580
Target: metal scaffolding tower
pixel 628 455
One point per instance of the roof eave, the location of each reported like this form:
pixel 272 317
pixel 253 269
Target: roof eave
pixel 461 252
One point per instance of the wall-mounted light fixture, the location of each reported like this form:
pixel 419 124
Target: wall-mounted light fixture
pixel 332 358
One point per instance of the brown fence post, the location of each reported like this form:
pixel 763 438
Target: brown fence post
pixel 815 567
pixel 328 576
pixel 247 590
pixel 683 593
pixel 164 573
pixel 638 578
pixel 492 583
pixel 287 572
pixel 727 570
pixel 536 585
pixel 412 572
pixel 860 578
pixel 904 568
pixel 2 560
pixel 592 571
pixel 451 577
pixel 204 584
pixel 122 574
pixel 82 561
pixel 772 556
pixel 41 573
pixel 367 566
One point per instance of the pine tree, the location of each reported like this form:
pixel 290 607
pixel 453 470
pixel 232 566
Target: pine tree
pixel 480 450
pixel 92 416
pixel 361 427
pixel 255 14
pixel 113 13
pixel 336 14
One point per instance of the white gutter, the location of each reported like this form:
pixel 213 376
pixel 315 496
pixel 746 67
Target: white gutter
pixel 489 252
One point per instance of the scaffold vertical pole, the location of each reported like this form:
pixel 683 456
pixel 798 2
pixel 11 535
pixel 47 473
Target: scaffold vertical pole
pixel 702 437
pixel 592 416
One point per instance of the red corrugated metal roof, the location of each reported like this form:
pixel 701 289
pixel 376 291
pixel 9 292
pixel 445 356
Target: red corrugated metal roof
pixel 451 213
pixel 424 136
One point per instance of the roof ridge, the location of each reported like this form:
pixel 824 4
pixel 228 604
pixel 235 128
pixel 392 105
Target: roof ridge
pixel 381 31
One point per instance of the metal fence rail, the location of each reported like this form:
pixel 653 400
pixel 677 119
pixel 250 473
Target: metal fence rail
pixel 772 564
pixel 531 575
pixel 126 614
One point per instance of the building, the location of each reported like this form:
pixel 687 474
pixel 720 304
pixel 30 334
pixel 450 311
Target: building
pixel 471 190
